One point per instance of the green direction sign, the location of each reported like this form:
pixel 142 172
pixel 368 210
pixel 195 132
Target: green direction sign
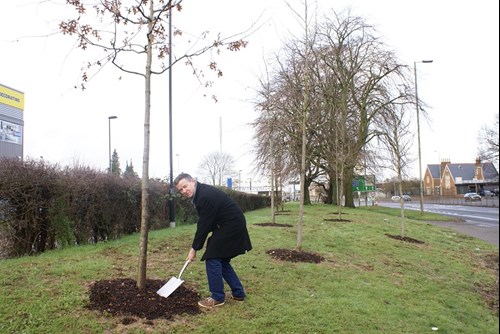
pixel 358 184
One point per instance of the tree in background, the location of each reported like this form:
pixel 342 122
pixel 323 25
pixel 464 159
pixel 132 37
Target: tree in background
pixel 129 170
pixel 397 140
pixel 136 36
pixel 350 78
pixel 115 164
pixel 488 142
pixel 216 166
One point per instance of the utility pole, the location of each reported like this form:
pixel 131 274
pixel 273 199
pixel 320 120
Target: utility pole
pixel 171 204
pixel 417 102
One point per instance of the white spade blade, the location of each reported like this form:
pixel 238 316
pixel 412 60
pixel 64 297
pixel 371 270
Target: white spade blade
pixel 170 287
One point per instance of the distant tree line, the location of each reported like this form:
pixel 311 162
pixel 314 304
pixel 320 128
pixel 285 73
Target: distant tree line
pixel 44 206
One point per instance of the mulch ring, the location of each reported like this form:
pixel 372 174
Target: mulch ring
pixel 282 213
pixel 337 220
pixel 406 239
pixel 274 225
pixel 294 256
pixel 122 297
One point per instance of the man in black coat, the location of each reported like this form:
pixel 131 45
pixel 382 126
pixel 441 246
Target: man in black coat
pixel 220 215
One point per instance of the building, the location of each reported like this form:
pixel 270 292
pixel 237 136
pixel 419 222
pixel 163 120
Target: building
pixel 11 122
pixel 451 179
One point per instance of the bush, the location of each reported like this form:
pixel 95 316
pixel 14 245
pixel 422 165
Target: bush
pixel 43 206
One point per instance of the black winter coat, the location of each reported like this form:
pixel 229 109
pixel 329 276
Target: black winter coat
pixel 219 214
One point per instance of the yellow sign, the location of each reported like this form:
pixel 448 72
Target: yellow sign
pixel 11 97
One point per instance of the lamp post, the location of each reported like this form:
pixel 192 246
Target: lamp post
pixel 418 135
pixel 171 204
pixel 109 132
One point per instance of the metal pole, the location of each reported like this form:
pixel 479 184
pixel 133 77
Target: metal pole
pixel 109 132
pixel 418 135
pixel 171 206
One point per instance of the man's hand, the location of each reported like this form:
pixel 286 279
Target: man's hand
pixel 191 255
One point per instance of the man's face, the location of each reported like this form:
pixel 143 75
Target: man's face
pixel 186 188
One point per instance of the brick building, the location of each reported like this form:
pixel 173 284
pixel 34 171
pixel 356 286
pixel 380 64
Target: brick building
pixel 451 179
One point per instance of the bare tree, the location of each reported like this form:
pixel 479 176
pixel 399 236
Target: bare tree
pixel 305 107
pixel 488 142
pixel 270 149
pixel 397 139
pixel 284 121
pixel 126 30
pixel 361 72
pixel 351 78
pixel 216 166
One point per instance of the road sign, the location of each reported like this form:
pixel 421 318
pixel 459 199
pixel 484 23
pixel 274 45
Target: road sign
pixel 359 184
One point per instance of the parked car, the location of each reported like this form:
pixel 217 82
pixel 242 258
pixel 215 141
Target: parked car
pixel 395 198
pixel 471 197
pixel 488 193
pixel 406 198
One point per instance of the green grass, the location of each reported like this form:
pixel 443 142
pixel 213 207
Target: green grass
pixel 368 283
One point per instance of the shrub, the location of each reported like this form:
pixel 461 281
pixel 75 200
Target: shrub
pixel 43 206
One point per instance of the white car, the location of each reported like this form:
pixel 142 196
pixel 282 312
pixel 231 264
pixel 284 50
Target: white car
pixel 395 198
pixel 471 197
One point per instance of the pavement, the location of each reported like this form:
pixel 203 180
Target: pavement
pixel 487 234
pixel 471 230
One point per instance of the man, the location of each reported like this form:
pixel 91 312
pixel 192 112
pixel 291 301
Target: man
pixel 220 215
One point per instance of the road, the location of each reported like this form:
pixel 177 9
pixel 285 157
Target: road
pixel 479 222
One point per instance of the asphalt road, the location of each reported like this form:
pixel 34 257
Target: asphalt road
pixel 476 221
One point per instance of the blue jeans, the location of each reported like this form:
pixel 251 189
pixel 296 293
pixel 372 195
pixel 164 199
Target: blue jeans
pixel 218 271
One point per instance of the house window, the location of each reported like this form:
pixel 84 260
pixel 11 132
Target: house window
pixel 447 183
pixel 436 190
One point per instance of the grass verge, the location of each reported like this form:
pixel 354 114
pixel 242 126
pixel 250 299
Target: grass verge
pixel 368 283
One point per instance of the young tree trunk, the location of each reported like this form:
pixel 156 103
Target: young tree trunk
pixel 273 212
pixel 304 137
pixel 401 201
pixel 143 256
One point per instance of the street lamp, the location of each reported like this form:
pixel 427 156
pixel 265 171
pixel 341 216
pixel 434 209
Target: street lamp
pixel 418 134
pixel 171 204
pixel 109 131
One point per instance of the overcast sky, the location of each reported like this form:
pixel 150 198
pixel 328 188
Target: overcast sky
pixel 65 125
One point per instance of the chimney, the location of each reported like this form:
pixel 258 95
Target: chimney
pixel 478 174
pixel 444 163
